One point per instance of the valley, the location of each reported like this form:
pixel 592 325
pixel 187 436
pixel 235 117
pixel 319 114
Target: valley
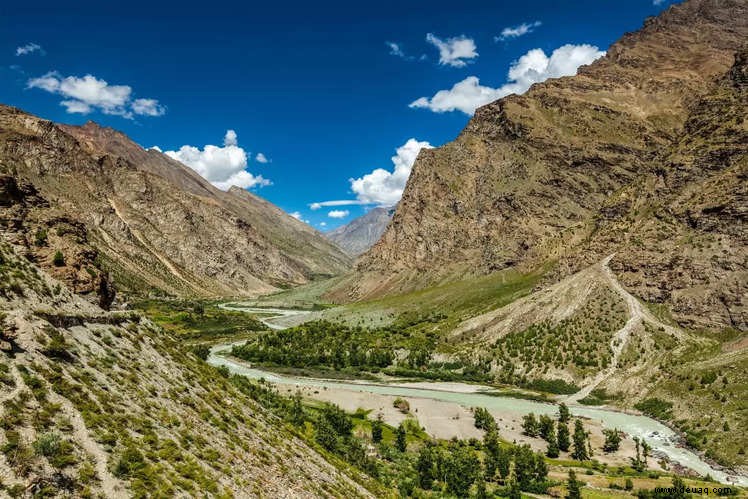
pixel 553 304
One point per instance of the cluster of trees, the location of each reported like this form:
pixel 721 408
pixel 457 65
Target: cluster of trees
pixel 457 467
pixel 320 344
pixel 324 344
pixel 581 341
pixel 557 434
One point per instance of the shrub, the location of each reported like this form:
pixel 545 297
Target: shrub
pixel 402 405
pixel 40 238
pixel 58 260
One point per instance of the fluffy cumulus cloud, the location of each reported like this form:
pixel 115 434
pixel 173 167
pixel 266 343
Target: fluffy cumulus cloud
pixel 86 94
pixel 261 158
pixel 296 215
pixel 516 31
pixel 147 107
pixel 533 67
pixel 338 213
pixel 456 51
pixel 29 48
pixel 384 187
pixel 221 166
pixel 381 187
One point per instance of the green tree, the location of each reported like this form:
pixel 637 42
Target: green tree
pixel 297 416
pixel 325 434
pixel 376 429
pixel 493 450
pixel 573 486
pixel 462 468
pixel 563 413
pixel 480 490
pixel 563 437
pixel 580 452
pixel 338 420
pixel 552 450
pixel 426 466
pixel 530 425
pixel 546 428
pixel 524 466
pixel 514 491
pixel 504 462
pixel 401 442
pixel 637 462
pixel 612 440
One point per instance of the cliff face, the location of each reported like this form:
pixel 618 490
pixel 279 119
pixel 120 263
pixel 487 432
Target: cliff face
pixel 155 224
pixel 643 153
pixel 363 232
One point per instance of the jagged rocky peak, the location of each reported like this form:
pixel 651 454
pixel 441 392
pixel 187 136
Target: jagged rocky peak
pixel 363 232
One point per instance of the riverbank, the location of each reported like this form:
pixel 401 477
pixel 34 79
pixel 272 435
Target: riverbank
pixel 443 409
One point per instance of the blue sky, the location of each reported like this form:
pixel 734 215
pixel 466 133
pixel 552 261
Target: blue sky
pixel 317 87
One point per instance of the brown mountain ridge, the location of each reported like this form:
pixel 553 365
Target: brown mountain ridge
pixel 111 207
pixel 642 154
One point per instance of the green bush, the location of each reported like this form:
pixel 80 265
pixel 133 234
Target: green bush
pixel 58 260
pixel 40 238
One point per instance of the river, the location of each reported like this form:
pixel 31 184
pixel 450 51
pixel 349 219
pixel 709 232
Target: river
pixel 662 439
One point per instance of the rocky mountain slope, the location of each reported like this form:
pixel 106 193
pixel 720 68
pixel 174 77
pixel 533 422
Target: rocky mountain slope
pixel 363 232
pixel 106 404
pixel 642 154
pixel 111 207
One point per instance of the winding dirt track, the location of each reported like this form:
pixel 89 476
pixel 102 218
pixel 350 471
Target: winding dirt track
pixel 638 315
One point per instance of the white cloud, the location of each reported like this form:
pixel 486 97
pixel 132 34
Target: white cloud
pixel 155 148
pixel 384 187
pixel 453 51
pixel 76 107
pixel 533 67
pixel 517 31
pixel 323 224
pixel 338 213
pixel 86 94
pixel 230 139
pixel 296 215
pixel 221 166
pixel 395 49
pixel 29 48
pixel 261 158
pixel 147 107
pixel 342 202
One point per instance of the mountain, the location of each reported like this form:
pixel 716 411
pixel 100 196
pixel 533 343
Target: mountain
pixel 361 233
pixel 106 404
pixel 642 154
pixel 111 207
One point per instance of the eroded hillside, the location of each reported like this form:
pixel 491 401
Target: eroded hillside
pixel 99 403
